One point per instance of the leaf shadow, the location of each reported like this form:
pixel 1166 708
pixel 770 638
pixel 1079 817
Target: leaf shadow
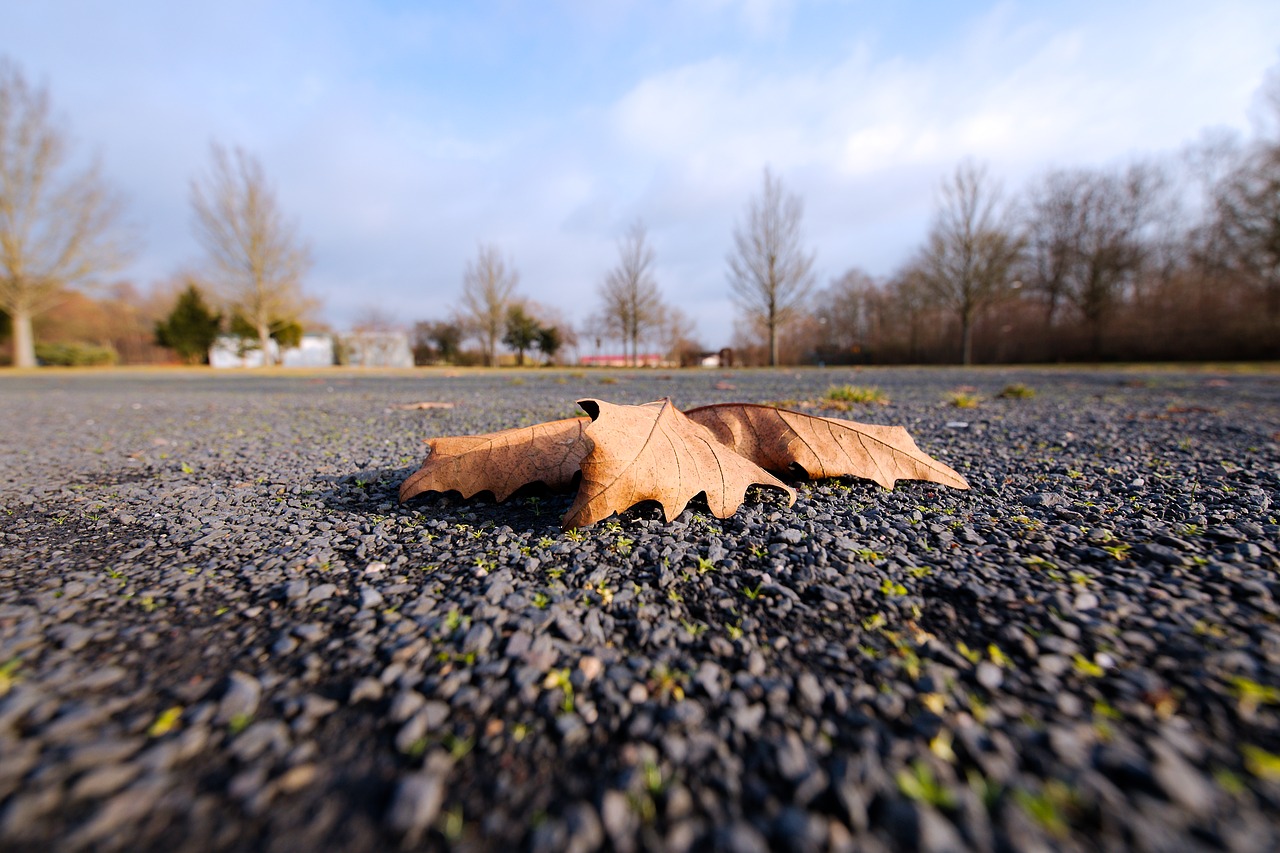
pixel 357 495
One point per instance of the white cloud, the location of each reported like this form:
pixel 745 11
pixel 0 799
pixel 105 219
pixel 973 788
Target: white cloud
pixel 866 138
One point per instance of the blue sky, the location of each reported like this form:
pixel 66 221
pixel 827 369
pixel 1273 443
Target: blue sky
pixel 402 135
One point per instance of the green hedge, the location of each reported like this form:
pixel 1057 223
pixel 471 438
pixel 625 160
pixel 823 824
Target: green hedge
pixel 75 355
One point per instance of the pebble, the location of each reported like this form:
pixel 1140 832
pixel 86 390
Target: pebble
pixel 416 802
pixel 370 598
pixel 240 699
pixel 619 820
pixel 989 675
pixel 104 781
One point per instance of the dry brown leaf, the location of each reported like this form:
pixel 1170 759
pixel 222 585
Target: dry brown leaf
pixel 653 452
pixel 501 462
pixel 426 404
pixel 778 440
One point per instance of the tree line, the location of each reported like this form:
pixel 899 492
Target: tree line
pixel 1110 263
pixel 1158 258
pixel 1174 258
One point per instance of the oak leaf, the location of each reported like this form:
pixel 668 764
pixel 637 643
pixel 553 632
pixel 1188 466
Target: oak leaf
pixel 654 452
pixel 780 440
pixel 501 462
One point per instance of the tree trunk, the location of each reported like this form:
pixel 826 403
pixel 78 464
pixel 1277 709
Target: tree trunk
pixel 24 347
pixel 264 341
pixel 773 342
pixel 966 339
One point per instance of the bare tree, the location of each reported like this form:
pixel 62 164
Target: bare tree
pixel 1090 232
pixel 910 302
pixel 632 304
pixel 488 288
pixel 770 273
pixel 1246 223
pixel 678 335
pixel 256 259
pixel 58 226
pixel 842 312
pixel 1116 209
pixel 971 249
pixel 1053 232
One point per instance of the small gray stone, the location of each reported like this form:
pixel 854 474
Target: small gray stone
pixel 73 638
pixel 104 781
pixel 937 834
pixel 747 719
pixel 1085 602
pixel 101 753
pixel 1181 781
pixel 1046 499
pixel 366 690
pixel 1069 745
pixel 322 593
pixel 123 809
pixel 586 834
pixel 478 638
pixel 370 598
pixel 101 679
pixel 569 627
pixel 240 701
pixel 412 734
pixel 811 693
pixel 416 802
pixel 708 678
pixel 404 705
pixel 262 736
pixel 742 837
pixel 790 756
pixel 571 729
pixel 1054 665
pixel 620 822
pixel 989 675
pixel 311 632
pixel 25 810
pixel 1160 553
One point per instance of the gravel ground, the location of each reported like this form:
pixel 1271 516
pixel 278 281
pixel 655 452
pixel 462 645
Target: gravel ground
pixel 219 631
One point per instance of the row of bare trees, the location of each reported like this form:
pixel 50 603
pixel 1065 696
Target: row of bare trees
pixel 1152 259
pixel 61 226
pixel 492 313
pixel 1173 259
pixel 631 312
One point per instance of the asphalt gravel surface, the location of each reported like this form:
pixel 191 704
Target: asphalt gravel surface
pixel 219 630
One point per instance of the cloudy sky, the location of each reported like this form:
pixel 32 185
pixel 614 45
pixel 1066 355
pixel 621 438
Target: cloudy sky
pixel 401 135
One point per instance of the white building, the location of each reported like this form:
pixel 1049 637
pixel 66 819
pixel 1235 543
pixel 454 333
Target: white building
pixel 312 351
pixel 377 349
pixel 231 351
